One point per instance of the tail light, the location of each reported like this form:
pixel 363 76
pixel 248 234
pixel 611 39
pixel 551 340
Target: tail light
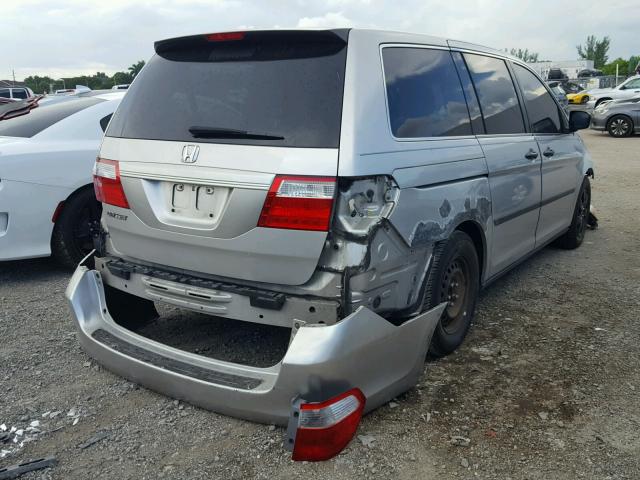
pixel 324 429
pixel 106 182
pixel 224 36
pixel 299 203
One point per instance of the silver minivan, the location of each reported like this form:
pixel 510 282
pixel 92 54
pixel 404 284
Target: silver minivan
pixel 358 187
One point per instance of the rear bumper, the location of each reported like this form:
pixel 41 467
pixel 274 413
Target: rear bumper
pixel 363 350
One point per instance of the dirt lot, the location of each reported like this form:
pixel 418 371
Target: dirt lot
pixel 546 386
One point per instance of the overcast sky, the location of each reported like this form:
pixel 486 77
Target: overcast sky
pixel 70 37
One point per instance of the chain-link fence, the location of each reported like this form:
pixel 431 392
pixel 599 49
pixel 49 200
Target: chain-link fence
pixel 589 83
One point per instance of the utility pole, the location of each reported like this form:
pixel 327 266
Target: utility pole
pixel 13 72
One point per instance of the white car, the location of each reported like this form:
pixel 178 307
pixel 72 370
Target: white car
pixel 16 93
pixel 47 201
pixel 628 89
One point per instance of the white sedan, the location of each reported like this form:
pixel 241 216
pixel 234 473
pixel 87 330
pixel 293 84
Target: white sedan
pixel 628 89
pixel 47 202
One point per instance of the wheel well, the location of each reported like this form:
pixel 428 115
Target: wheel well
pixel 477 236
pixel 600 100
pixel 61 205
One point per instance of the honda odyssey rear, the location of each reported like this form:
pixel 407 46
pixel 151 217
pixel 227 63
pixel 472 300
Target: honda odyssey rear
pixel 336 183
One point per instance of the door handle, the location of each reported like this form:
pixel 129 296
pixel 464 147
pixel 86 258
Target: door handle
pixel 531 154
pixel 548 152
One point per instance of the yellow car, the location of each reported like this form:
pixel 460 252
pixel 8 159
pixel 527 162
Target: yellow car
pixel 578 98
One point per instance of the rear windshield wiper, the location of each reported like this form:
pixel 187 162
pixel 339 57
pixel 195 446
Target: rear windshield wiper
pixel 213 132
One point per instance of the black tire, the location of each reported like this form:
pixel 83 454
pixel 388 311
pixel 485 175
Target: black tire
pixel 620 126
pixel 455 277
pixel 600 101
pixel 71 240
pixel 575 235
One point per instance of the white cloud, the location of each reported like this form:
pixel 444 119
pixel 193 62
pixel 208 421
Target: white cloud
pixel 70 37
pixel 328 20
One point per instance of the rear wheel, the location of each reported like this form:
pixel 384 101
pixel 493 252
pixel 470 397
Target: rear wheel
pixel 575 235
pixel 454 278
pixel 620 126
pixel 71 240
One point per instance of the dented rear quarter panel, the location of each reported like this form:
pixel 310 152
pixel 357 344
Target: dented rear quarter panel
pixel 442 181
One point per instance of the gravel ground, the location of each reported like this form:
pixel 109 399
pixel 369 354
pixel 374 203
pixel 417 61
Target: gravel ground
pixel 546 385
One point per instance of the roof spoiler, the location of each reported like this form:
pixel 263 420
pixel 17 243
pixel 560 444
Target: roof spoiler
pixel 208 40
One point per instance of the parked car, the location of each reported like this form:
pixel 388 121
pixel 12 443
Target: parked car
pixel 559 93
pixel 572 87
pixel 628 89
pixel 556 74
pixel 47 200
pixel 282 186
pixel 579 98
pixel 620 118
pixel 589 73
pixel 16 93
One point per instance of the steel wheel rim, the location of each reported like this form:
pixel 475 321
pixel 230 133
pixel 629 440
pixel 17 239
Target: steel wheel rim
pixel 583 211
pixel 619 127
pixel 455 291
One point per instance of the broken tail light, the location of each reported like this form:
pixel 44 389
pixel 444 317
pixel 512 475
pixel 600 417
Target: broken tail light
pixel 107 184
pixel 299 203
pixel 323 429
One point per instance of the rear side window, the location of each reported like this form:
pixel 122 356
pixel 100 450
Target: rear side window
pixel 469 93
pixel 424 94
pixel 104 121
pixel 43 117
pixel 19 93
pixel 496 93
pixel 5 93
pixel 269 88
pixel 541 108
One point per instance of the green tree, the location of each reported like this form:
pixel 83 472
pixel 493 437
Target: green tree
pixel 524 55
pixel 623 67
pixel 135 68
pixel 121 77
pixel 38 84
pixel 633 63
pixel 595 50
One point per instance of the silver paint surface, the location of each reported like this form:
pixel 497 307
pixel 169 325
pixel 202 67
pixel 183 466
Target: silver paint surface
pixel 363 350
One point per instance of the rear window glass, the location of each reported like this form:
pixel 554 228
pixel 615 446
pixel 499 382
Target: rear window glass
pixel 424 93
pixel 496 93
pixel 19 93
pixel 542 110
pixel 5 93
pixel 43 117
pixel 260 90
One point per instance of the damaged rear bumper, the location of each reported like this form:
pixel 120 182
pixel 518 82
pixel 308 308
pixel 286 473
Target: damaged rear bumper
pixel 363 350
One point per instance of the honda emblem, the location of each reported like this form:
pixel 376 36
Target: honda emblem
pixel 190 153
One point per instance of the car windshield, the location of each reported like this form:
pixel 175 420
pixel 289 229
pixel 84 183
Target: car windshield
pixel 279 89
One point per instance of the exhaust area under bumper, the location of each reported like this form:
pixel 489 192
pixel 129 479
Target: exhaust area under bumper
pixel 362 351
